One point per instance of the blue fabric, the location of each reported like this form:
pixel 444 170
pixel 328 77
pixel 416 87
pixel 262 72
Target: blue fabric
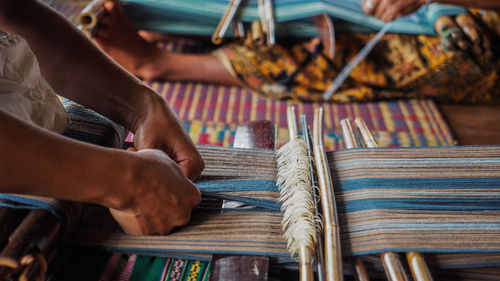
pixel 293 16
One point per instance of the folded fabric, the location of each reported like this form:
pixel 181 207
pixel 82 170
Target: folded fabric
pixel 292 16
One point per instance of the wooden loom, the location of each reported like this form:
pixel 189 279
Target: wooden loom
pixel 31 235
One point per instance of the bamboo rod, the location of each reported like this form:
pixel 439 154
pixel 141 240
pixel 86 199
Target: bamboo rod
pixel 419 269
pixel 295 187
pixel 320 257
pixel 225 21
pixel 392 264
pixel 333 255
pixel 88 17
pixel 351 141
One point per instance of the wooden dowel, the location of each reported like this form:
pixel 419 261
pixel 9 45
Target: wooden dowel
pixel 351 141
pixel 88 17
pixel 305 263
pixel 333 254
pixel 419 269
pixel 40 231
pixel 225 21
pixel 291 119
pixel 393 267
pixel 415 260
pixel 320 257
pixel 359 270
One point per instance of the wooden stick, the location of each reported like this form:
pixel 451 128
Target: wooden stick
pixel 320 257
pixel 292 122
pixel 88 17
pixel 419 269
pixel 333 255
pixel 359 270
pixel 351 141
pixel 392 264
pixel 225 21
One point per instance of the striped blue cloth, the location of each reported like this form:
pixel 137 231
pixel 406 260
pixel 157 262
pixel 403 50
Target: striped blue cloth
pixel 292 16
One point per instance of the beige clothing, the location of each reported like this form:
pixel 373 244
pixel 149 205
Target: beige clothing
pixel 23 91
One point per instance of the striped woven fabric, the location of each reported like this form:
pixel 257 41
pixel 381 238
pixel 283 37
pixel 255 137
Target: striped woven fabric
pixel 201 18
pixel 425 199
pixel 441 199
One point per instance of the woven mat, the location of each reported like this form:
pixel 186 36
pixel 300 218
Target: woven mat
pixel 211 112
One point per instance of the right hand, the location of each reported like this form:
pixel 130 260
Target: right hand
pixel 160 196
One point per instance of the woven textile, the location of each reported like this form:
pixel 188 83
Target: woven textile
pixel 442 199
pixel 201 17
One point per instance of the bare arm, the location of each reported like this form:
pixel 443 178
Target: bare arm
pixel 77 69
pixel 146 191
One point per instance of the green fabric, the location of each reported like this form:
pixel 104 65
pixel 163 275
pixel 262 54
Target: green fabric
pixel 147 268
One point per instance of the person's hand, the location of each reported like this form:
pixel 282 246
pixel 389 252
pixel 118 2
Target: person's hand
pixel 388 10
pixel 160 129
pixel 158 197
pixel 463 34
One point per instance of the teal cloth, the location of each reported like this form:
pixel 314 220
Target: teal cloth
pixel 292 16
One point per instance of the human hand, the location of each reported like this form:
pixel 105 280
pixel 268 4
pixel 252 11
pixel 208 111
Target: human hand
pixel 463 34
pixel 160 129
pixel 388 10
pixel 158 197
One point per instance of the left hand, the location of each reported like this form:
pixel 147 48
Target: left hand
pixel 161 129
pixel 388 10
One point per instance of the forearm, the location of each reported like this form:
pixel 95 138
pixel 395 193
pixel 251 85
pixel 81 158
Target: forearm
pixel 37 162
pixel 74 66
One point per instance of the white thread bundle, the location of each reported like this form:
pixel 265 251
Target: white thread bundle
pixel 294 183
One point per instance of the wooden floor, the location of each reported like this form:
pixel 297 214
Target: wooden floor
pixel 473 125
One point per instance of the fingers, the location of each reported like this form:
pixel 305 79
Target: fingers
pixel 388 10
pixel 368 6
pixel 160 197
pixel 192 166
pixel 480 40
pixel 452 38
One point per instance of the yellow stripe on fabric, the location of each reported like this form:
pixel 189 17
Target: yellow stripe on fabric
pixel 185 99
pixel 328 115
pixel 408 122
pixel 195 130
pixel 194 104
pixel 173 99
pixel 267 110
pixel 428 124
pixel 403 137
pixel 231 105
pixel 218 102
pixel 386 114
pixel 206 107
pixel 442 130
pixel 443 125
pixel 277 111
pixel 241 111
pixel 373 117
pixel 253 112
